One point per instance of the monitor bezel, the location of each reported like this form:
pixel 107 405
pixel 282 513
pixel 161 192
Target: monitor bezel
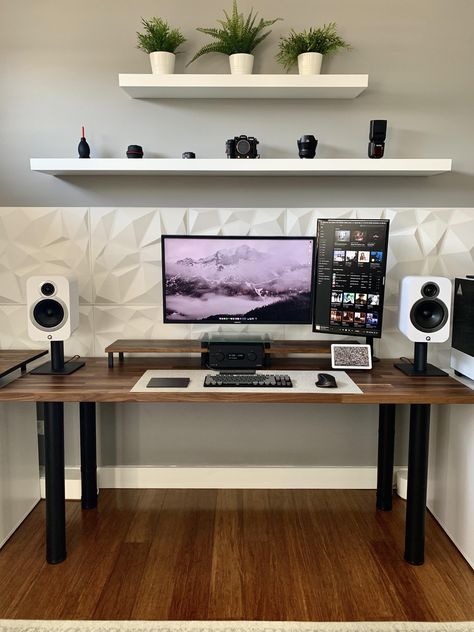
pixel 365 333
pixel 243 237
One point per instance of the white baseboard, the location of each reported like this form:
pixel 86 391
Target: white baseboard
pixel 224 478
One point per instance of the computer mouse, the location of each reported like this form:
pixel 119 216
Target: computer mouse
pixel 326 380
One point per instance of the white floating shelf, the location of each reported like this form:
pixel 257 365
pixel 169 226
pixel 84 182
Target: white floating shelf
pixel 243 86
pixel 257 167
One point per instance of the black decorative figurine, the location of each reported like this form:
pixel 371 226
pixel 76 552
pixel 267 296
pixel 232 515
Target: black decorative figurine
pixel 83 147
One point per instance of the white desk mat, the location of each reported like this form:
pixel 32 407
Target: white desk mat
pixel 303 382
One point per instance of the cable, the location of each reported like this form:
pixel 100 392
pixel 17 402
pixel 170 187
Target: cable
pixel 74 357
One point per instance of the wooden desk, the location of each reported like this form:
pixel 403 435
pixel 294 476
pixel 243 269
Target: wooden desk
pixel 384 385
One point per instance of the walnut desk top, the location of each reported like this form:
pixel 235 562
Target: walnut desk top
pixel 97 383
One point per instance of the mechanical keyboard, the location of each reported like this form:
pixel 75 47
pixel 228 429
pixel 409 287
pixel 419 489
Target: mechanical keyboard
pixel 257 380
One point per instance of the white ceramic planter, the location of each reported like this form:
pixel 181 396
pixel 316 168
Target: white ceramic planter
pixel 310 63
pixel 241 64
pixel 162 62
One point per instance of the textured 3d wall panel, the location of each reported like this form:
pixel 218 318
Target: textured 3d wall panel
pixel 115 254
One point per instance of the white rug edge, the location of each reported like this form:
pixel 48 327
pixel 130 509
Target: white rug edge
pixel 31 625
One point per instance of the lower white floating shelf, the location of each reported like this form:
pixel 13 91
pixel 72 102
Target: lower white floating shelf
pixel 257 167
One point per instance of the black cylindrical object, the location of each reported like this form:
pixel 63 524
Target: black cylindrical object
pixel 54 478
pixel 88 455
pixel 385 456
pixel 307 146
pixel 421 356
pixel 135 151
pixel 417 480
pixel 57 355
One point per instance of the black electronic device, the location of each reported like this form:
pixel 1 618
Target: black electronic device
pixel 234 280
pixel 462 352
pixel 188 155
pixel 134 151
pixel 236 355
pixel 351 262
pixel 168 382
pixel 242 147
pixel 377 136
pixel 326 380
pixel 307 146
pixel 256 380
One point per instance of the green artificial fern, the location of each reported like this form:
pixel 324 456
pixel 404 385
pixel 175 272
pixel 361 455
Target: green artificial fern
pixel 158 36
pixel 322 40
pixel 238 34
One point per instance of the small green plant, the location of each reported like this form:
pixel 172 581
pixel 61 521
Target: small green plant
pixel 323 39
pixel 238 34
pixel 158 36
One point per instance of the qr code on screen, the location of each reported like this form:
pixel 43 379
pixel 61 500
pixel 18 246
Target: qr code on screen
pixel 351 355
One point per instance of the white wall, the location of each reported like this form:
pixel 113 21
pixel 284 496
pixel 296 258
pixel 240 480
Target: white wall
pixel 59 68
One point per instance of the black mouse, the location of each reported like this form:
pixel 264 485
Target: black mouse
pixel 326 380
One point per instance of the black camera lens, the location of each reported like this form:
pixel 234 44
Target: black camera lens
pixel 243 147
pixel 48 289
pixel 430 290
pixel 307 146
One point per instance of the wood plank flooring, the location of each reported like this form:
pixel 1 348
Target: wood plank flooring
pixel 302 555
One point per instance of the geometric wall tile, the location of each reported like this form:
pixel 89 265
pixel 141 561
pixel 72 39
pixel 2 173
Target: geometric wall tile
pixel 116 253
pixel 126 254
pixel 264 221
pixel 43 241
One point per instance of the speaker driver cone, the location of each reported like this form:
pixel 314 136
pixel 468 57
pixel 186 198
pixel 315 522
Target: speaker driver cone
pixel 48 314
pixel 429 315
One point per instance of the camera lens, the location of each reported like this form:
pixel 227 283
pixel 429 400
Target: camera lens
pixel 48 289
pixel 243 146
pixel 430 290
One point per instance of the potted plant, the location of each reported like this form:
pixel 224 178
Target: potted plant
pixel 237 37
pixel 308 47
pixel 160 42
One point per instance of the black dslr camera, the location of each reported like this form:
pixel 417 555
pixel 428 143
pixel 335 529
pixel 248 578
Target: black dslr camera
pixel 241 147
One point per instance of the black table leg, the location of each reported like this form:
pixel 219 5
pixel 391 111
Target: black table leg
pixel 417 481
pixel 54 479
pixel 385 456
pixel 88 455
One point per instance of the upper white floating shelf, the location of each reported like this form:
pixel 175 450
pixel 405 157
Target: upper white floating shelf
pixel 257 167
pixel 229 86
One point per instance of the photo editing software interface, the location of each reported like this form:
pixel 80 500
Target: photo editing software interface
pixel 233 280
pixel 351 261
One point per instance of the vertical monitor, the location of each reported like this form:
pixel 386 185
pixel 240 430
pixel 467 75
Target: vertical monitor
pixel 351 262
pixel 254 280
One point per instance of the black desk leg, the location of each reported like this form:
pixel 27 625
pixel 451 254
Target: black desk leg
pixel 385 456
pixel 417 480
pixel 88 455
pixel 54 479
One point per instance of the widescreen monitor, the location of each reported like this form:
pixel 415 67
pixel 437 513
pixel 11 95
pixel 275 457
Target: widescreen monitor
pixel 351 259
pixel 256 280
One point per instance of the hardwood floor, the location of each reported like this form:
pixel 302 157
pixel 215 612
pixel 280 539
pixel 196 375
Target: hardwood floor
pixel 234 554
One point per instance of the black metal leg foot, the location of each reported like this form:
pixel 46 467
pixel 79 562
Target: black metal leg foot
pixel 88 455
pixel 54 479
pixel 385 456
pixel 417 481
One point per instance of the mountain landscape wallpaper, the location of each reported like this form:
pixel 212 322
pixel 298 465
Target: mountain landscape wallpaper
pixel 237 280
